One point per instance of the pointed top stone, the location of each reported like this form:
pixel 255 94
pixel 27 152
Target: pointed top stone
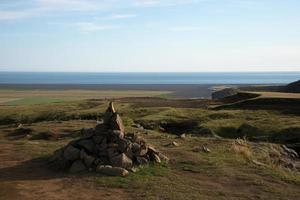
pixel 111 107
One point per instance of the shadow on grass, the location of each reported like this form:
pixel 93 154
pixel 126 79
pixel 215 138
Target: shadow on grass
pixel 34 169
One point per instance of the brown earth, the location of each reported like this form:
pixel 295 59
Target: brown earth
pixel 24 178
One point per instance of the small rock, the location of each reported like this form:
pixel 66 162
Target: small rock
pixel 142 151
pixel 152 150
pixel 138 126
pixel 141 161
pixel 174 144
pixel 258 163
pixel 205 149
pixel 134 169
pixel 77 166
pixel 183 136
pixel 156 158
pixel 163 158
pixel 292 153
pixel 135 147
pixel 123 145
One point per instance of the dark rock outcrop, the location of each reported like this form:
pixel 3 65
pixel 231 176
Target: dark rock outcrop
pixel 293 87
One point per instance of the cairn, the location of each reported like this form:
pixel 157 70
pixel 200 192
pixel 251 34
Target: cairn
pixel 106 149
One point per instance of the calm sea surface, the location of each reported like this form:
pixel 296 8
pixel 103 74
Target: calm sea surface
pixel 149 78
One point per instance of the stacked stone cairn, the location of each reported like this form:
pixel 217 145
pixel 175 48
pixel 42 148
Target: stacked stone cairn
pixel 106 149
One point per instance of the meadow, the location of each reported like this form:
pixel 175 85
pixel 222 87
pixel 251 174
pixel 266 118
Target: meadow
pixel 228 171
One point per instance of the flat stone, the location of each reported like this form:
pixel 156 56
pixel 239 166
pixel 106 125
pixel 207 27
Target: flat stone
pixel 111 171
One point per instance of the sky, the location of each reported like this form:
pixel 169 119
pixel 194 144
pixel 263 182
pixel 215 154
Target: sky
pixel 149 35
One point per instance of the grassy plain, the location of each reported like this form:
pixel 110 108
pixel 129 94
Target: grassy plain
pixel 227 172
pixel 25 97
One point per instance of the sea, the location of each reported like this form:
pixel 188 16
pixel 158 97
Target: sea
pixel 148 78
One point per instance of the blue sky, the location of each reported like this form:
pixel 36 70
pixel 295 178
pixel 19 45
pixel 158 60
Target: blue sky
pixel 149 35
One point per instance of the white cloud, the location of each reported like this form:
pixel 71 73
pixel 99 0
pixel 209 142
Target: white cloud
pixel 11 10
pixel 13 15
pixel 120 16
pixel 186 28
pixel 88 27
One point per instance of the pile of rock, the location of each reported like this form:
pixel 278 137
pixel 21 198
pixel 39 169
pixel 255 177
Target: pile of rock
pixel 106 149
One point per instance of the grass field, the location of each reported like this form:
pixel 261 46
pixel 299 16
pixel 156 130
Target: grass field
pixel 278 95
pixel 25 97
pixel 229 171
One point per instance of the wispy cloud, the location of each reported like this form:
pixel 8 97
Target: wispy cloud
pixel 12 10
pixel 150 3
pixel 88 27
pixel 186 28
pixel 13 15
pixel 120 16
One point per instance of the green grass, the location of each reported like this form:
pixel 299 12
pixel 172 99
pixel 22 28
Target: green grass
pixel 39 100
pixel 29 97
pixel 221 174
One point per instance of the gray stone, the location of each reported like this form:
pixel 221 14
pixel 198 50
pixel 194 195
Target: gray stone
pixel 152 150
pixel 87 132
pixel 142 151
pixel 112 152
pixel 111 171
pixel 163 158
pixel 117 123
pixel 77 166
pixel 88 145
pixel 98 139
pixel 135 147
pixel 117 134
pixel 123 145
pixel 141 161
pixel 100 129
pixel 71 153
pixel 156 158
pixel 121 160
pixel 108 114
pixel 87 159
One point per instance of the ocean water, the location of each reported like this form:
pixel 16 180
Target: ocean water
pixel 149 78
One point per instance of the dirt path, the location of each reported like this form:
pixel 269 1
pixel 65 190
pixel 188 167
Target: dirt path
pixel 26 179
